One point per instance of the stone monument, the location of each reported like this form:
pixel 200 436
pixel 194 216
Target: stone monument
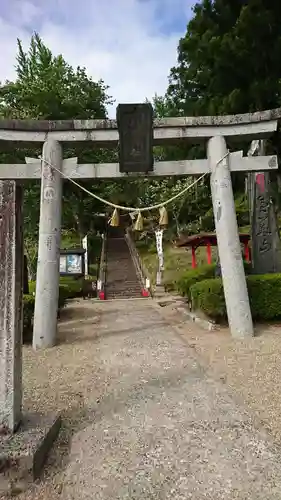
pixel 266 246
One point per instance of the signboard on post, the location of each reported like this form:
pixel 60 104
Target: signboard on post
pixel 159 248
pixel 72 262
pixel 135 126
pixel 85 246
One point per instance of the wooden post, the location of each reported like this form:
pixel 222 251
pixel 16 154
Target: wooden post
pixel 247 252
pixel 193 253
pixel 11 282
pixel 209 253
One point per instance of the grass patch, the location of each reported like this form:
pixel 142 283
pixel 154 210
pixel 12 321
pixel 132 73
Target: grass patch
pixel 176 262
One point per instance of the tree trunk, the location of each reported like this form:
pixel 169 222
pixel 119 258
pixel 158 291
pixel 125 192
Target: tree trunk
pixel 177 224
pixel 79 227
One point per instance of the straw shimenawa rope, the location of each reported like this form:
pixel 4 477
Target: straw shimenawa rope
pixel 121 207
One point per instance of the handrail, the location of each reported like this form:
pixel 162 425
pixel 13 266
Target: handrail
pixel 141 269
pixel 102 268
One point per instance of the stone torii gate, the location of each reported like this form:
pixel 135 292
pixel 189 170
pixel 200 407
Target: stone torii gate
pixel 216 132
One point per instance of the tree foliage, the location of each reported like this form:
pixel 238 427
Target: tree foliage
pixel 228 62
pixel 48 88
pixel 184 210
pixel 229 59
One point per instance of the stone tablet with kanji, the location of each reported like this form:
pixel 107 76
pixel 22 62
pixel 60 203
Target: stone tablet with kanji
pixel 135 126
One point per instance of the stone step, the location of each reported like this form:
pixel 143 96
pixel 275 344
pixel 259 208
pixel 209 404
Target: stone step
pixel 123 286
pixel 121 276
pixel 122 292
pixel 109 294
pixel 112 286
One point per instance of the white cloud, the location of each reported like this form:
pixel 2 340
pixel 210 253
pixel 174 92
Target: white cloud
pixel 121 41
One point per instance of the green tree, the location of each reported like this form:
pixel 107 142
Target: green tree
pixel 183 211
pixel 229 62
pixel 229 58
pixel 47 87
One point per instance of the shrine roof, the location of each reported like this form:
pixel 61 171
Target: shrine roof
pixel 201 239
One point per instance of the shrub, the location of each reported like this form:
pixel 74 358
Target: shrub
pixel 32 287
pixel 93 270
pixel 193 276
pixel 208 296
pixel 264 294
pixel 170 286
pixel 247 267
pixel 69 288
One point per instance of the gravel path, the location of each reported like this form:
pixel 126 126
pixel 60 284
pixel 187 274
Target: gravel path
pixel 160 427
pixel 249 367
pixel 153 424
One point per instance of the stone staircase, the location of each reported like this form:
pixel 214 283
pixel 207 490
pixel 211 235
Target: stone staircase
pixel 122 280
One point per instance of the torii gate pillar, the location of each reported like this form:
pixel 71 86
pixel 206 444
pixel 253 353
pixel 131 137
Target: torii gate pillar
pixel 47 280
pixel 233 275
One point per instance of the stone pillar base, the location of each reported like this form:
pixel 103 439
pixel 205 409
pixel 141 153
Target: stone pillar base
pixel 23 454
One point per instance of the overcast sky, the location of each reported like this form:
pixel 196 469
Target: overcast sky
pixel 130 44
